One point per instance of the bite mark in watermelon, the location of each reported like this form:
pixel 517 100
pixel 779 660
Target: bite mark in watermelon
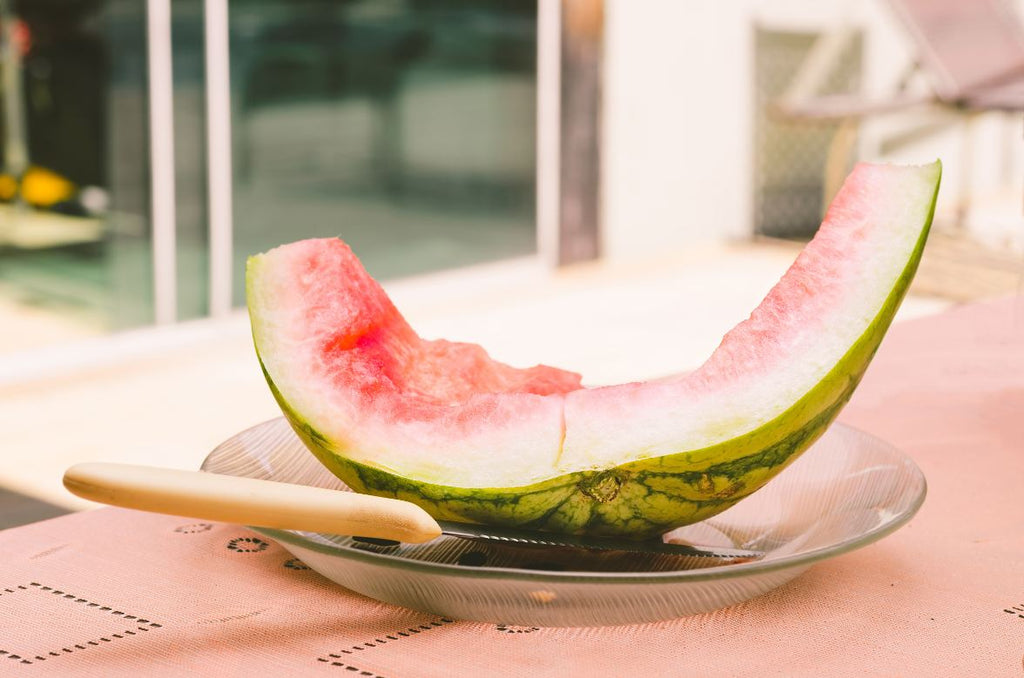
pixel 466 437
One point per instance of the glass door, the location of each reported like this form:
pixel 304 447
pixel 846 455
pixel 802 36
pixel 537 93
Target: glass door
pixel 74 229
pixel 406 128
pixel 149 147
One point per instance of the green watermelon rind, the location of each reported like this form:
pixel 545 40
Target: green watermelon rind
pixel 646 497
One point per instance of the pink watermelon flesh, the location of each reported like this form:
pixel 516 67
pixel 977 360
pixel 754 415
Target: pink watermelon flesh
pixel 369 381
pixel 345 363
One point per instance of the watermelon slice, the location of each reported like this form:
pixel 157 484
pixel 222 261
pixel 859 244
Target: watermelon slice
pixel 466 437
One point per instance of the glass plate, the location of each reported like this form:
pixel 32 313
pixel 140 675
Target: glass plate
pixel 848 490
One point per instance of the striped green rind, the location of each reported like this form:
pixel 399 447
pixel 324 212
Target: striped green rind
pixel 646 497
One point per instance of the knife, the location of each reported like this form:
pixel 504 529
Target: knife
pixel 376 520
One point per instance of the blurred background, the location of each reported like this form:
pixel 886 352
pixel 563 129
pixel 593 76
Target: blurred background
pixel 599 184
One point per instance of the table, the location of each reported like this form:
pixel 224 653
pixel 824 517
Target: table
pixel 114 592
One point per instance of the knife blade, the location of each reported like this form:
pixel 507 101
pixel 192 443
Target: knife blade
pixel 518 537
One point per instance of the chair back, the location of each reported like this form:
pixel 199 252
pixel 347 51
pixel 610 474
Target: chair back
pixel 965 45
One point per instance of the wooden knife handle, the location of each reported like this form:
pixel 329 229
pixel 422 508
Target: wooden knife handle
pixel 250 501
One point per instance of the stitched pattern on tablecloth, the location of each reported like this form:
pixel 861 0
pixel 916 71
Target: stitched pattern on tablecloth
pixel 334 659
pixel 296 564
pixel 505 628
pixel 193 528
pixel 247 545
pixel 137 625
pixel 349 667
pixel 48 552
pixel 1016 609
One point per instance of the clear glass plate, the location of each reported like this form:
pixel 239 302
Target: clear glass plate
pixel 846 491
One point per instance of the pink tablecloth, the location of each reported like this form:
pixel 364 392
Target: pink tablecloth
pixel 113 592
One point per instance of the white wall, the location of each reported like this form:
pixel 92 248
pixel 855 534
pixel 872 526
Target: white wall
pixel 678 117
pixel 677 143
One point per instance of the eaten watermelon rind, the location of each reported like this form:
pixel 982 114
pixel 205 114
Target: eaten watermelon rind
pixel 646 496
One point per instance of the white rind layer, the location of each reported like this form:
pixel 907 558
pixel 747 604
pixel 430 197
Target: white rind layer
pixel 800 332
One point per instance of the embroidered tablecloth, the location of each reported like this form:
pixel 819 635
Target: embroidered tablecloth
pixel 114 592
